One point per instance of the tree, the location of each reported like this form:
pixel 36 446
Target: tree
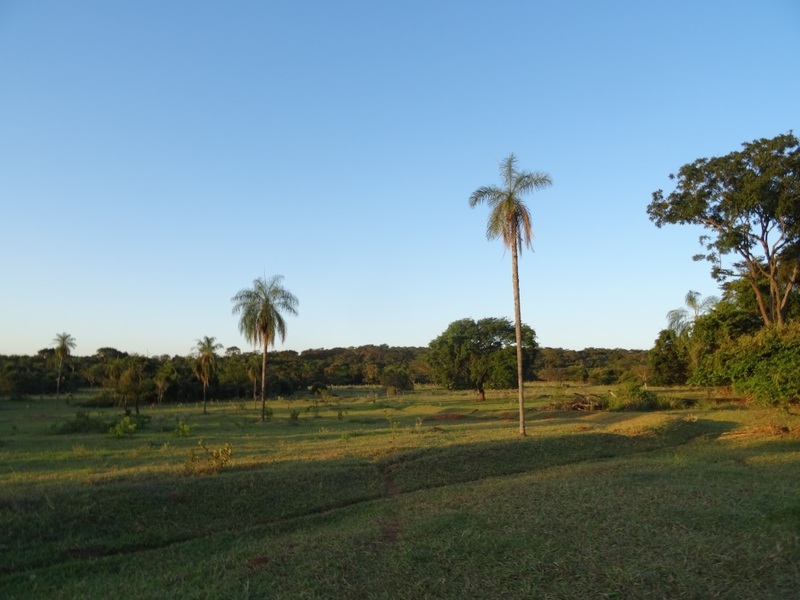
pixel 681 320
pixel 667 360
pixel 749 202
pixel 133 381
pixel 206 362
pixel 510 220
pixel 261 309
pixel 476 355
pixel 164 377
pixel 396 378
pixel 254 373
pixel 65 344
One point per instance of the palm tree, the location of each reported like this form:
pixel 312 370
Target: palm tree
pixel 261 308
pixel 680 320
pixel 206 362
pixel 254 373
pixel 510 220
pixel 65 344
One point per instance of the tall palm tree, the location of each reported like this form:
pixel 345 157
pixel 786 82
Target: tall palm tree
pixel 206 362
pixel 65 344
pixel 510 220
pixel 261 309
pixel 254 373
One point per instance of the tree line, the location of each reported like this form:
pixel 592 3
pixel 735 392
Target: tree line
pixel 748 203
pixel 126 378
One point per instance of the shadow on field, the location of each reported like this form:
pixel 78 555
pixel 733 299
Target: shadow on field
pixel 73 523
pixel 444 465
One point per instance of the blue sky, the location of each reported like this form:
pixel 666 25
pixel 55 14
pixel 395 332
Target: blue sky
pixel 156 157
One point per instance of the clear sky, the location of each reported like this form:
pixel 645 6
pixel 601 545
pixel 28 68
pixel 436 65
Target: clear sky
pixel 156 157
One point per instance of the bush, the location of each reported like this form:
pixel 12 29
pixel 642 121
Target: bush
pixel 210 462
pixel 182 430
pixel 632 396
pixel 123 428
pixel 764 365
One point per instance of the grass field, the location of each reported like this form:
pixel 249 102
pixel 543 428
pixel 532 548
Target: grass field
pixel 424 495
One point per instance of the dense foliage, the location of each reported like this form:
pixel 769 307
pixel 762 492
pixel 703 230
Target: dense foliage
pixel 479 354
pixel 749 203
pixel 764 365
pixel 600 366
pixel 128 379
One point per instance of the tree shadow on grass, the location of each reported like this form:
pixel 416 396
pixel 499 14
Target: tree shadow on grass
pixel 444 465
pixel 72 523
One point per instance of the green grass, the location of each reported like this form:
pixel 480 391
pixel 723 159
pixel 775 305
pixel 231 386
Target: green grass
pixel 425 495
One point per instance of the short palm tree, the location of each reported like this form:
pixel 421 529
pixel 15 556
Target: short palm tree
pixel 261 309
pixel 681 320
pixel 510 220
pixel 65 344
pixel 206 362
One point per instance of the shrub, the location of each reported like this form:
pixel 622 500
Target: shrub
pixel 764 365
pixel 632 396
pixel 182 430
pixel 123 428
pixel 210 462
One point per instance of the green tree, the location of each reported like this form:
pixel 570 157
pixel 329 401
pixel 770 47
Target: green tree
pixel 165 376
pixel 261 309
pixel 476 355
pixel 683 320
pixel 396 378
pixel 65 344
pixel 133 381
pixel 510 220
pixel 749 203
pixel 206 362
pixel 667 360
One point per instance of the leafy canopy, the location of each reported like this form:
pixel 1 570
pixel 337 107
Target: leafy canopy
pixel 476 354
pixel 749 203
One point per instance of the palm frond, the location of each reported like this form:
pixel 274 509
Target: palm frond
pixel 509 217
pixel 261 310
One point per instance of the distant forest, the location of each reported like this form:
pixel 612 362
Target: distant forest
pixel 131 378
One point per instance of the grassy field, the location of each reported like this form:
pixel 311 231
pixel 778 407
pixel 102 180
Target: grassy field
pixel 424 495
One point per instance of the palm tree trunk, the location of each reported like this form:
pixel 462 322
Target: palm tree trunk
pixel 264 382
pixel 58 379
pixel 518 327
pixel 205 385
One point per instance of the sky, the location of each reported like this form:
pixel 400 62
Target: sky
pixel 157 157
